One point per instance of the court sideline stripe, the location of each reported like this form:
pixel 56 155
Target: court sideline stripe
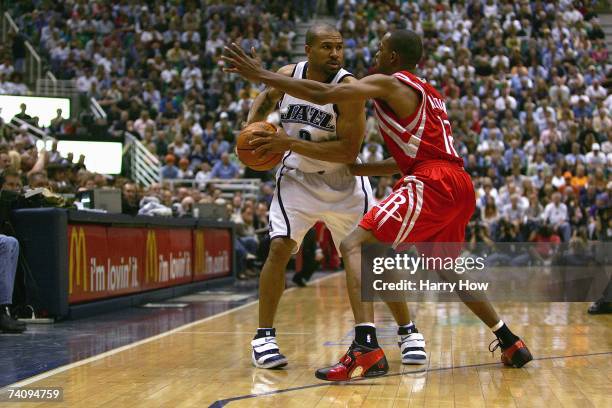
pixel 111 352
pixel 222 403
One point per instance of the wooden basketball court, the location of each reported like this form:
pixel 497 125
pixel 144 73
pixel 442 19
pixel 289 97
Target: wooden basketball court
pixel 208 362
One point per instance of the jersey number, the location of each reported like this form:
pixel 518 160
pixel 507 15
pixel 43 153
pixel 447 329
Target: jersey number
pixel 447 133
pixel 305 135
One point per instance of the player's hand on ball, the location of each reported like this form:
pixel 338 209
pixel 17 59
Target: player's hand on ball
pixel 271 142
pixel 237 61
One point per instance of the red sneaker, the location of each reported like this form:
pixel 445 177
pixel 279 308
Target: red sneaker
pixel 358 362
pixel 517 355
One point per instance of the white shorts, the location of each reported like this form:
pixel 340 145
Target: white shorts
pixel 338 199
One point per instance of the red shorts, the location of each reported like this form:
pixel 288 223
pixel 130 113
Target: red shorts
pixel 433 204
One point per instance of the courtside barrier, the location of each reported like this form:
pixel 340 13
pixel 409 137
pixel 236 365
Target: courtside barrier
pixel 84 263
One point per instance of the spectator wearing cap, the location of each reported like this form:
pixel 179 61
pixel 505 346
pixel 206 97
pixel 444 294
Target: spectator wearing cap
pixel 169 170
pixel 224 169
pixel 595 158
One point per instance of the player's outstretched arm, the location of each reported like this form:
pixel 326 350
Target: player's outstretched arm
pixel 350 129
pixel 266 101
pixel 387 167
pixel 373 86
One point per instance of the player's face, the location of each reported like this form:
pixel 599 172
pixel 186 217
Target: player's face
pixel 384 56
pixel 327 53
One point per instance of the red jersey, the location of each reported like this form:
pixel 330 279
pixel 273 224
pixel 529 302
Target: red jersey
pixel 423 136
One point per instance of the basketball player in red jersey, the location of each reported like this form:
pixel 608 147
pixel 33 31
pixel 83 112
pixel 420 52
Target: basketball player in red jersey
pixel 433 202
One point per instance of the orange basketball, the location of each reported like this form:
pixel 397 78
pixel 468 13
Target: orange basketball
pixel 246 152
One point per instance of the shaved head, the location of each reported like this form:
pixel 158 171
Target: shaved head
pixel 319 30
pixel 408 45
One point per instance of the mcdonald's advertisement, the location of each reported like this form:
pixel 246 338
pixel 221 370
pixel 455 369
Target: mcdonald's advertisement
pixel 104 262
pixel 212 253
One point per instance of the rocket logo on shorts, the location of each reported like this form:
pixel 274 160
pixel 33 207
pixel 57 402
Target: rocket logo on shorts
pixel 390 206
pixel 407 199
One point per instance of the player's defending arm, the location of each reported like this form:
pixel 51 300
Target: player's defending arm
pixel 266 101
pixel 373 86
pixel 350 129
pixel 387 167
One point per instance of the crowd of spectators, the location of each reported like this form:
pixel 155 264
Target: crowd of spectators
pixel 155 69
pixel 525 87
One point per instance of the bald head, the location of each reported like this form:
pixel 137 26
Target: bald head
pixel 319 30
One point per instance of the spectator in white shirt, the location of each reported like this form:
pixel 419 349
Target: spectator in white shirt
pixel 144 121
pixel 491 144
pixel 596 92
pixel 595 158
pixel 372 153
pixel 558 180
pixel 6 67
pixel 213 44
pixel 555 214
pixel 181 149
pixel 203 175
pixel 84 82
pixel 514 212
pixel 191 70
pixel 559 92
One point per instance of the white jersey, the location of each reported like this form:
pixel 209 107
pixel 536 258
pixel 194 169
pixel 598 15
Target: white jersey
pixel 308 121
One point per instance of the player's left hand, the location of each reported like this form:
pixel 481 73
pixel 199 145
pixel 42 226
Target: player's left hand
pixel 271 142
pixel 239 62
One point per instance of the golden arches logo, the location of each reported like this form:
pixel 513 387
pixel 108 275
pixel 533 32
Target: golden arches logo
pixel 199 248
pixel 151 264
pixel 77 258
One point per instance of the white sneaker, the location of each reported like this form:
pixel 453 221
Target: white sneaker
pixel 266 353
pixel 412 348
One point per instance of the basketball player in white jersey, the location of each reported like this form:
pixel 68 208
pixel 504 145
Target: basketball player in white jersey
pixel 313 182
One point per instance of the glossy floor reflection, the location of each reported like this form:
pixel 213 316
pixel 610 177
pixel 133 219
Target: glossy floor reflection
pixel 209 363
pixel 46 346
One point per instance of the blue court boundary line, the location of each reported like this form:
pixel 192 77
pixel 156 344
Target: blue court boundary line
pixel 224 402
